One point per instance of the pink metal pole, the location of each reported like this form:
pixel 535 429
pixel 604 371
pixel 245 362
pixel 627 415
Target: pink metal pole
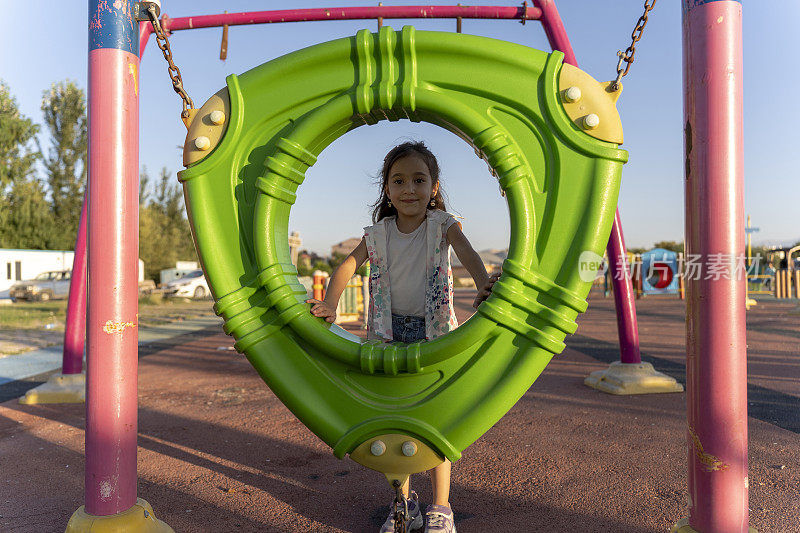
pixel 627 326
pixel 75 328
pixel 351 13
pixel 716 366
pixel 145 30
pixel 111 422
pixel 624 299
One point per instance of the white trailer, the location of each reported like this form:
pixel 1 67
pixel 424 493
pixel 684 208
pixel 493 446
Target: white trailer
pixel 181 269
pixel 18 265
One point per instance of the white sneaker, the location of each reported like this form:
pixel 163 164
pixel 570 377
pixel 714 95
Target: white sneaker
pixel 439 519
pixel 415 521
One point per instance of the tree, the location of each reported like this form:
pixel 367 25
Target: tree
pixel 17 159
pixel 323 266
pixel 17 163
pixel 337 259
pixel 164 234
pixel 27 221
pixel 144 187
pixel 168 199
pixel 64 108
pixel 670 245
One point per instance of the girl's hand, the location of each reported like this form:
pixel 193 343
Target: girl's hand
pixel 322 310
pixel 486 290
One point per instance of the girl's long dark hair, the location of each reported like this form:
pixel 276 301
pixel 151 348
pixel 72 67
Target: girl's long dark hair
pixel 381 208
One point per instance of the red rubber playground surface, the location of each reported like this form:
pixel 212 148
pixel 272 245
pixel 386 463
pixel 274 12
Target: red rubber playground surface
pixel 218 452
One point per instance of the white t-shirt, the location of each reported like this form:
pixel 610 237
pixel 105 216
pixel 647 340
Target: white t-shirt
pixel 407 268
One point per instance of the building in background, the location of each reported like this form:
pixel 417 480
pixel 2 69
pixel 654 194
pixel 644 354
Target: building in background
pixel 345 247
pixel 294 246
pixel 492 261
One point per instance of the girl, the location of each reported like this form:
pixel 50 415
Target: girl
pixel 411 284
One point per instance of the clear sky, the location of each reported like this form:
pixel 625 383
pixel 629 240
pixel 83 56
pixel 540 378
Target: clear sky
pixel 42 42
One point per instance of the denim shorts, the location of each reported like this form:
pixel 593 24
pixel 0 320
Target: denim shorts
pixel 408 328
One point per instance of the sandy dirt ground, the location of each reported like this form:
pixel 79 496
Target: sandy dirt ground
pixel 13 342
pixel 218 452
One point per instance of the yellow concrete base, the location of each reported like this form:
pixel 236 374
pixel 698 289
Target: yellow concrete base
pixel 684 527
pixel 748 303
pixel 627 378
pixel 60 388
pixel 137 519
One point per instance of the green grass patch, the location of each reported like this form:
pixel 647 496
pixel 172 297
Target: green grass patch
pixel 153 310
pixel 32 315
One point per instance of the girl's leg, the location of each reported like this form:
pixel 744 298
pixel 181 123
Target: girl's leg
pixel 440 480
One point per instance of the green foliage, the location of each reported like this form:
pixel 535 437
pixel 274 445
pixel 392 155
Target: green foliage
pixel 32 216
pixel 304 268
pixel 26 223
pixel 65 163
pixel 670 245
pixel 322 265
pixel 337 259
pixel 307 264
pixel 17 158
pixel 164 233
pixel 18 186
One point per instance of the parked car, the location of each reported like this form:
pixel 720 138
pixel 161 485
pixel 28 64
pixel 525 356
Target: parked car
pixel 147 286
pixel 45 286
pixel 192 285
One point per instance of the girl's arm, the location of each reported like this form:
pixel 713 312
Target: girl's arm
pixel 471 261
pixel 327 308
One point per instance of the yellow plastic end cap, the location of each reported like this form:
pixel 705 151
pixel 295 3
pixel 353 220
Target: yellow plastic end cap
pixel 391 454
pixel 591 105
pixel 60 388
pixel 209 123
pixel 632 378
pixel 139 518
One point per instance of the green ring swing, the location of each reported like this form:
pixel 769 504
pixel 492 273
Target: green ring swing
pixel 504 99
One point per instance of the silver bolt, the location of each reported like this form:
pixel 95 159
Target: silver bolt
pixel 409 448
pixel 217 117
pixel 202 143
pixel 573 94
pixel 591 121
pixel 377 447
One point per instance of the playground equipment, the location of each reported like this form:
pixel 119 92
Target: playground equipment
pixel 715 325
pixel 787 276
pixel 653 272
pixel 659 272
pixel 609 275
pixel 351 303
pixel 631 375
pixel 353 394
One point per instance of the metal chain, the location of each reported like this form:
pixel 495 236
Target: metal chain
pixel 629 54
pixel 400 509
pixel 174 71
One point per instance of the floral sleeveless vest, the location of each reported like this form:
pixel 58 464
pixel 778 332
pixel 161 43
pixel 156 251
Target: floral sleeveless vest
pixel 440 316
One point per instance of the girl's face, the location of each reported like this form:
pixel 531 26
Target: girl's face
pixel 409 186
